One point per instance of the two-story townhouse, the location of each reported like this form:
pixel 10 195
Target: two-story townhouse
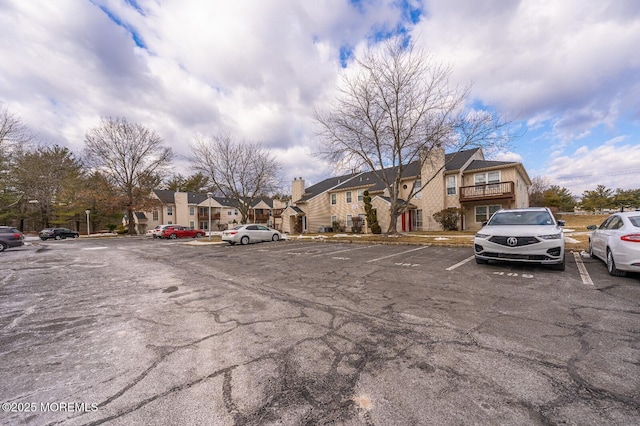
pixel 193 209
pixel 462 179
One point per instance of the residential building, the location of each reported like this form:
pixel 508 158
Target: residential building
pixel 463 180
pixel 191 209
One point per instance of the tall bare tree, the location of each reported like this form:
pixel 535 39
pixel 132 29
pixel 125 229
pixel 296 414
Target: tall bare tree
pixel 395 106
pixel 240 170
pixel 133 158
pixel 14 137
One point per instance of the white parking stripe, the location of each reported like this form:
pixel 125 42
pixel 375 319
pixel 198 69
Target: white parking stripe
pixel 339 251
pixel 397 254
pixel 586 278
pixel 451 268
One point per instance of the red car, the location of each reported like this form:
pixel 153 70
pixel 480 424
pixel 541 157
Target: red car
pixel 177 231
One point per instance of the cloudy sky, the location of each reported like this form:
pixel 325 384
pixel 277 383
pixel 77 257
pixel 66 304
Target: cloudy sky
pixel 568 70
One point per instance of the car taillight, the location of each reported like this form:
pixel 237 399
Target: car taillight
pixel 634 238
pixel 233 232
pixel 17 236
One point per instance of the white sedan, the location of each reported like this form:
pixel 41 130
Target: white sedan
pixel 617 242
pixel 245 234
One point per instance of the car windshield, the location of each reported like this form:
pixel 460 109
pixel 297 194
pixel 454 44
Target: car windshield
pixel 521 218
pixel 635 221
pixel 238 227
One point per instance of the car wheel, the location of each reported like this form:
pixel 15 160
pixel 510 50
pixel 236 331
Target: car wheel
pixel 76 235
pixel 198 235
pixel 57 237
pixel 611 266
pixel 559 266
pixel 3 247
pixel 275 237
pixel 43 239
pixel 480 261
pixel 244 240
pixel 173 236
pixel 591 254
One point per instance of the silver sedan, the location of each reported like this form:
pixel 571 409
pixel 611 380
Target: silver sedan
pixel 245 234
pixel 617 242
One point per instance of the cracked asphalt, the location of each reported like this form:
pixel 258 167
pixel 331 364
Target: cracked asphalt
pixel 138 331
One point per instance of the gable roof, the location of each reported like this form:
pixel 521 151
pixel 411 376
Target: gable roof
pixel 165 196
pixel 484 164
pixel 325 185
pixel 457 160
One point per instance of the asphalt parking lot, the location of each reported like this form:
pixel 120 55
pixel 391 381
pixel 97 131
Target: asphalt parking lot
pixel 139 331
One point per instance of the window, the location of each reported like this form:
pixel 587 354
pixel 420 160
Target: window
pixel 204 225
pixel 486 178
pixel 169 210
pixel 360 194
pixel 334 199
pixel 417 219
pixel 349 221
pixel 229 212
pixel 417 185
pixel 192 211
pixel 192 224
pixel 483 213
pixel 348 197
pixel 155 215
pixel 334 219
pixel 451 185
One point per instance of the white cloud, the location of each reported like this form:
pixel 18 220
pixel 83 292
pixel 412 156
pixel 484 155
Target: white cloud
pixel 614 164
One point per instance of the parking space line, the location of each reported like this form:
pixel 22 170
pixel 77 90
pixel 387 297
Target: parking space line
pixel 396 254
pixel 451 268
pixel 584 274
pixel 339 251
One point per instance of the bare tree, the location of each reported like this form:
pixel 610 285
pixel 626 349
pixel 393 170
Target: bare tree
pixel 396 107
pixel 133 157
pixel 14 137
pixel 240 170
pixel 12 130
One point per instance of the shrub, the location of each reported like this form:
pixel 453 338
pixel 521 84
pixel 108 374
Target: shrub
pixel 448 218
pixel 111 226
pixel 357 223
pixel 372 216
pixel 338 226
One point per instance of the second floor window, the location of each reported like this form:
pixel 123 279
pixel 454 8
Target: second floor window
pixel 360 194
pixel 192 211
pixel 417 185
pixel 155 215
pixel 334 199
pixel 169 211
pixel 451 185
pixel 486 178
pixel 348 196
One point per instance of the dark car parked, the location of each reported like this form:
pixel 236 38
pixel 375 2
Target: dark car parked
pixel 57 233
pixel 10 237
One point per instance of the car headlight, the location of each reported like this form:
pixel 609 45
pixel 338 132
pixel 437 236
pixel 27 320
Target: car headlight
pixel 550 236
pixel 482 235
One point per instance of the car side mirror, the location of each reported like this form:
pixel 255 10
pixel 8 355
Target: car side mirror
pixel 561 223
pixel 485 223
pixel 592 227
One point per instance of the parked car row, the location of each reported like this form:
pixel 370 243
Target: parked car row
pixel 175 231
pixel 533 235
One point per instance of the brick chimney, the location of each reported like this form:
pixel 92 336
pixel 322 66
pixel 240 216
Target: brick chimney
pixel 297 189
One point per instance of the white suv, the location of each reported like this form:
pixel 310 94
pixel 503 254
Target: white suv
pixel 522 235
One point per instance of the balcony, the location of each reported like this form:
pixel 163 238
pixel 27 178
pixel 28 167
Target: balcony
pixel 490 191
pixel 214 216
